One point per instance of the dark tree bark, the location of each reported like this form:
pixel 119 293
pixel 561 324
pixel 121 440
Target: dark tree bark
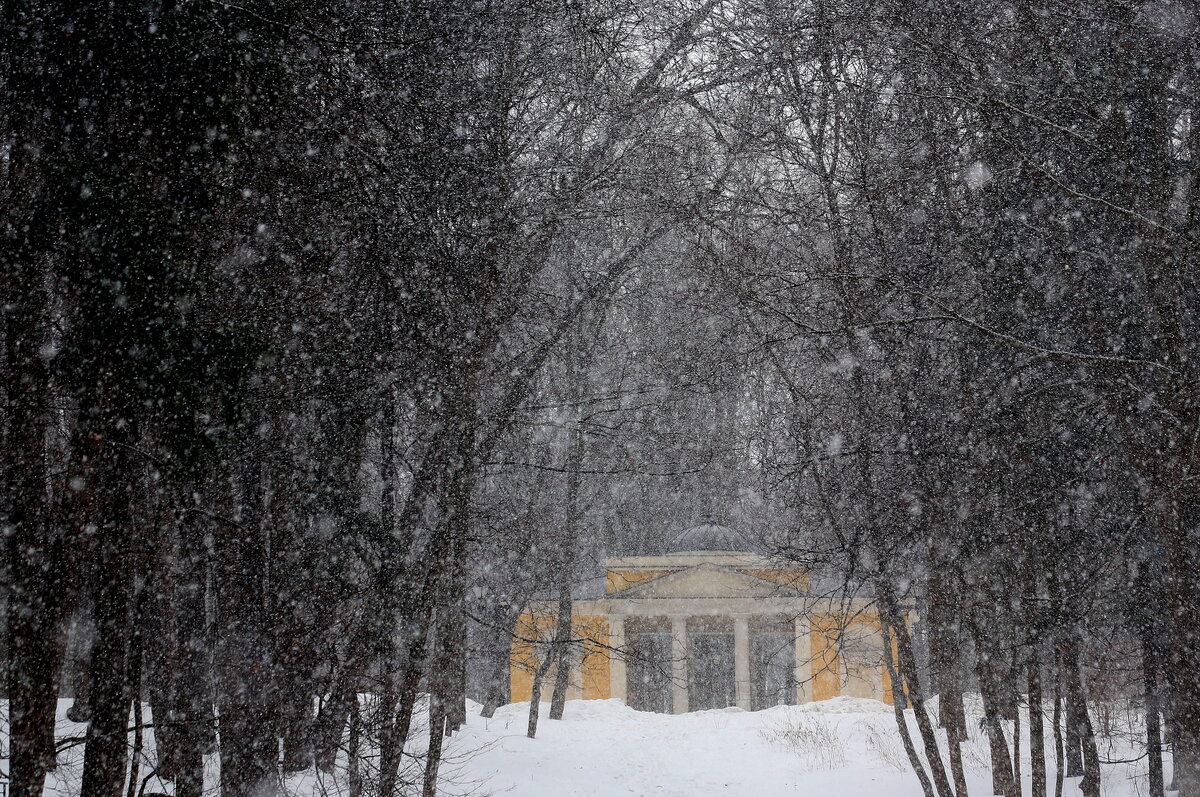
pixel 906 664
pixel 35 658
pixel 1060 766
pixel 1072 740
pixel 1016 753
pixel 37 560
pixel 1182 663
pixel 395 735
pixel 353 753
pixel 563 631
pixel 437 733
pixel 107 750
pixel 899 701
pixel 249 746
pixel 331 718
pixel 192 696
pixel 946 670
pixel 1002 763
pixel 455 691
pixel 560 653
pixel 1154 744
pixel 1037 736
pixel 535 693
pixel 498 664
pixel 1077 716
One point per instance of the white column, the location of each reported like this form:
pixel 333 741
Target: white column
pixel 741 660
pixel 616 658
pixel 804 667
pixel 679 669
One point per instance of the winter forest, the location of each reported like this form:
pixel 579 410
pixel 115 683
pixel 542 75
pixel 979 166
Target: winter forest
pixel 336 333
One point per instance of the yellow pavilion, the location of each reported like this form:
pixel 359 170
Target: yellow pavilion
pixel 708 625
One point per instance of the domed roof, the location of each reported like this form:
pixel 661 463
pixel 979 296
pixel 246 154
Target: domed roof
pixel 709 536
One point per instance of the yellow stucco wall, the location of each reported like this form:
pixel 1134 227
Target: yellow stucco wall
pixel 597 664
pixel 828 667
pixel 522 658
pixel 594 672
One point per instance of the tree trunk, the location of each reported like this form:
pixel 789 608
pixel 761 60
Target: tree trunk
pixel 437 733
pixel 38 562
pixel 136 657
pixel 1182 664
pixel 956 765
pixel 454 691
pixel 1153 721
pixel 1017 746
pixel 1077 715
pixel 1002 765
pixel 249 747
pixel 391 747
pixel 563 630
pixel 161 660
pixel 107 748
pixel 560 652
pixel 945 670
pixel 192 697
pixel 1037 735
pixel 433 756
pixel 1059 763
pixel 497 682
pixel 331 718
pixel 295 723
pixel 899 700
pixel 106 754
pixel 353 756
pixel 35 619
pixel 906 664
pixel 1071 740
pixel 535 693
pixel 135 760
pixel 291 633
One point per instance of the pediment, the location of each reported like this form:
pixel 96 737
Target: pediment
pixel 706 581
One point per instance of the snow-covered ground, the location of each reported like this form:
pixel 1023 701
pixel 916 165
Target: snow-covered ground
pixel 844 747
pixel 604 749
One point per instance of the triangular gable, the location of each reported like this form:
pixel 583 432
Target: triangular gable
pixel 706 581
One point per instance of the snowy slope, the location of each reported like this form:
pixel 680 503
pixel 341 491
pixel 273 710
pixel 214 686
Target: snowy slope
pixel 604 749
pixel 844 747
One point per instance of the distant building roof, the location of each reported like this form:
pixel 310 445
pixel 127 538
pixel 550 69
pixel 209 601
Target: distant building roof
pixel 709 537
